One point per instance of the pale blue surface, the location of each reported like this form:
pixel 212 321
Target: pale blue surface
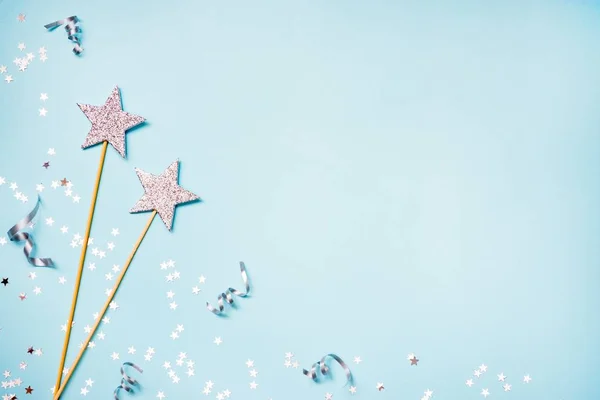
pixel 398 177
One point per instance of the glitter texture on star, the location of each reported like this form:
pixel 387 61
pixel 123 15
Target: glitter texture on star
pixel 109 122
pixel 162 193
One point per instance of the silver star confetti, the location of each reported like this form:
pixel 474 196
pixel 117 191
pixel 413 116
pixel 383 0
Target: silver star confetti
pixel 162 193
pixel 109 122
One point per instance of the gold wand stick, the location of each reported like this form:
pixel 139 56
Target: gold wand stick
pixel 84 247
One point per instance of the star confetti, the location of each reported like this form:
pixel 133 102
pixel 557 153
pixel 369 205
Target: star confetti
pixel 413 359
pixel 109 122
pixel 162 193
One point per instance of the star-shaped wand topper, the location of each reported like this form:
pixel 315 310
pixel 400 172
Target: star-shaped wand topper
pixel 162 193
pixel 109 122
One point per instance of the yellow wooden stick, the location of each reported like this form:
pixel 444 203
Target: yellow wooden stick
pixel 84 247
pixel 103 311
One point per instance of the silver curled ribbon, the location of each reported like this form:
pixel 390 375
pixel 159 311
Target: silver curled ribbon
pixel 228 294
pixel 322 365
pixel 127 382
pixel 72 29
pixel 15 235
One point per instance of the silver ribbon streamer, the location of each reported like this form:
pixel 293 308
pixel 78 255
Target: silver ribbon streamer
pixel 72 29
pixel 15 235
pixel 127 382
pixel 228 295
pixel 325 369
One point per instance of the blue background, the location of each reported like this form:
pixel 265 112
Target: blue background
pixel 410 176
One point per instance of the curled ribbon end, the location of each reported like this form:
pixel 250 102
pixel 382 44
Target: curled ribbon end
pixel 325 369
pixel 72 31
pixel 126 380
pixel 15 235
pixel 229 293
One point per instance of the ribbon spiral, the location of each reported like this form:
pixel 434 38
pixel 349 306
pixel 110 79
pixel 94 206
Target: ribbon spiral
pixel 127 382
pixel 228 295
pixel 15 235
pixel 72 30
pixel 325 369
